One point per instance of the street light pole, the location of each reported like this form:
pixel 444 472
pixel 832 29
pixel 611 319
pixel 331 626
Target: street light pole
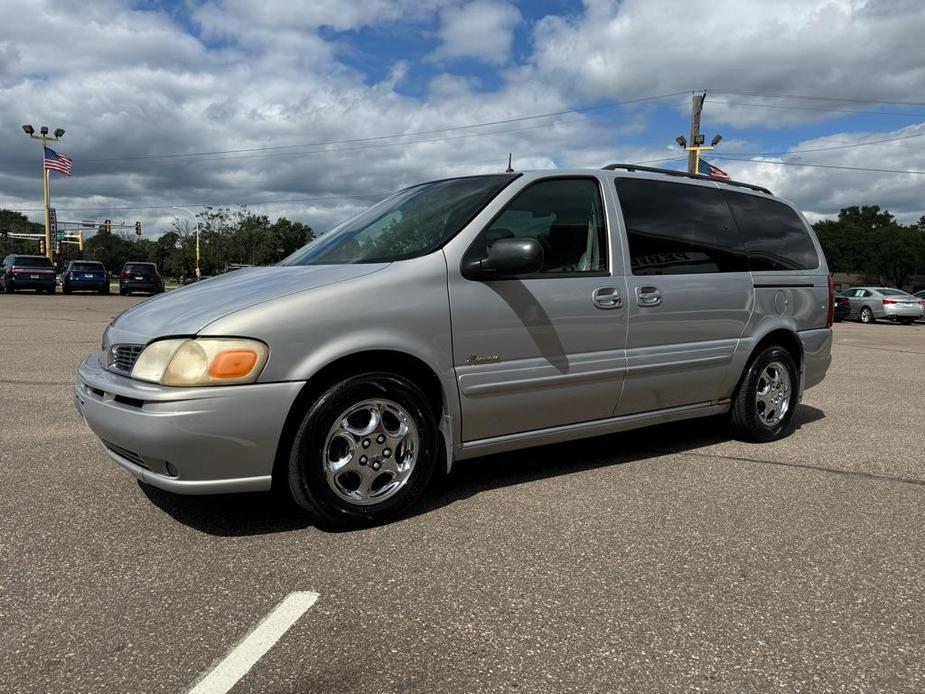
pixel 43 136
pixel 195 219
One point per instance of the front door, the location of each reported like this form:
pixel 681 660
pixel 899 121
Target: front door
pixel 546 349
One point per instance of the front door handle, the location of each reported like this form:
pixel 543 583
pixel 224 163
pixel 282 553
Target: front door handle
pixel 648 296
pixel 607 297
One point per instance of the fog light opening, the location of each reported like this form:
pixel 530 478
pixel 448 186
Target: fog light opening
pixel 171 470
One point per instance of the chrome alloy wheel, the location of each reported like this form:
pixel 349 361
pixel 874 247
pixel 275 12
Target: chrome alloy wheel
pixel 370 452
pixel 772 396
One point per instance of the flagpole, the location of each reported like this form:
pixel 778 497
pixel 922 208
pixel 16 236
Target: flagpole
pixel 44 139
pixel 48 247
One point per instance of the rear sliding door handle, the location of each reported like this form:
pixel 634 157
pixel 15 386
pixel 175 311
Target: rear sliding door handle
pixel 648 296
pixel 607 297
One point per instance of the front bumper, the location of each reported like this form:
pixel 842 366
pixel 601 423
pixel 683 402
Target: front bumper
pixel 209 440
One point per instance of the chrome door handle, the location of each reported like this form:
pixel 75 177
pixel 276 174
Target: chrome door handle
pixel 607 297
pixel 648 296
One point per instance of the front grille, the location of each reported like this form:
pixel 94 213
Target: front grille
pixel 123 357
pixel 127 454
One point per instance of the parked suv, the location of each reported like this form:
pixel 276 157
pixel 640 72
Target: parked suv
pixel 85 275
pixel 464 317
pixel 28 272
pixel 140 277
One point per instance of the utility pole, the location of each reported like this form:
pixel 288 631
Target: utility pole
pixel 696 145
pixel 43 136
pixel 694 155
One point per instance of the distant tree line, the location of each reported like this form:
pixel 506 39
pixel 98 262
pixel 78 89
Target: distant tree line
pixel 226 237
pixel 864 240
pixel 869 241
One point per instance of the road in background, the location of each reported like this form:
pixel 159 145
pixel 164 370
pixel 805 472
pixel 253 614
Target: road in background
pixel 665 559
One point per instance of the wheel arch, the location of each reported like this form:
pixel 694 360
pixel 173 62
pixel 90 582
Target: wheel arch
pixel 393 361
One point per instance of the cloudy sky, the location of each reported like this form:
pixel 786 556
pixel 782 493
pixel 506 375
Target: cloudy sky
pixel 314 109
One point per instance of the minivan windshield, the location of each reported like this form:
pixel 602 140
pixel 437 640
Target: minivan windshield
pixel 410 223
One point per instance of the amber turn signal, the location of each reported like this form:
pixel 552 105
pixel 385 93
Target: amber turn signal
pixel 235 363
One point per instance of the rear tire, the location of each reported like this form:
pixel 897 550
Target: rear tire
pixel 66 290
pixel 104 290
pixel 332 492
pixel 906 321
pixel 767 397
pixel 866 315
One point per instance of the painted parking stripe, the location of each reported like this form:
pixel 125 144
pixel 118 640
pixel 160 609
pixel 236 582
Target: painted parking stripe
pixel 243 656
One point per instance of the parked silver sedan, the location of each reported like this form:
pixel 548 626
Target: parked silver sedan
pixel 870 303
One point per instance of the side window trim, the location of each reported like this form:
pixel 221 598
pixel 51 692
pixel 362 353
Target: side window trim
pixel 607 252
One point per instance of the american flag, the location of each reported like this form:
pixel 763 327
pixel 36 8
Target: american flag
pixel 57 162
pixel 705 168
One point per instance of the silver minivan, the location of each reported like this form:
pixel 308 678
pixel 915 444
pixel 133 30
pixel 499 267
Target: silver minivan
pixel 464 317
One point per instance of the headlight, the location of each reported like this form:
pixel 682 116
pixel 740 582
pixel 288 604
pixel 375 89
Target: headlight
pixel 205 361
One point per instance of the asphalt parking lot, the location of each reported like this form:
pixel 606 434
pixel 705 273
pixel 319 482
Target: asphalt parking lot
pixel 668 559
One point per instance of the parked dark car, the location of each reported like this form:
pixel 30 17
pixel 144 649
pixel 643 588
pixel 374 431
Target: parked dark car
pixel 85 276
pixel 140 277
pixel 842 308
pixel 28 272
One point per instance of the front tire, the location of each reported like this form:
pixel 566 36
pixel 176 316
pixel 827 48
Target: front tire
pixel 866 315
pixel 767 397
pixel 364 452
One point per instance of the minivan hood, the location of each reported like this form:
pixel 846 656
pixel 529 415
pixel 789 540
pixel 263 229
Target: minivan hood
pixel 188 310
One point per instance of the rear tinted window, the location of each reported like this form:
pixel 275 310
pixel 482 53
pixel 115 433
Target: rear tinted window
pixel 893 292
pixel 28 261
pixel 140 267
pixel 678 229
pixel 775 236
pixel 86 267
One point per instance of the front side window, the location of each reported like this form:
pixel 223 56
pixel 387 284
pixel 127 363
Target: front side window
pixel 775 236
pixel 565 215
pixel 410 223
pixel 678 229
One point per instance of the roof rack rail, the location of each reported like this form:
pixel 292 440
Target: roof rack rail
pixel 684 174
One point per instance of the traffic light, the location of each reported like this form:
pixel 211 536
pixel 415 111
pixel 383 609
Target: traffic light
pixel 57 248
pixel 80 241
pixel 138 228
pixel 107 224
pixel 41 246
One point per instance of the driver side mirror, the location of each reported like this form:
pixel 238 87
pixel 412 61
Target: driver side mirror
pixel 507 258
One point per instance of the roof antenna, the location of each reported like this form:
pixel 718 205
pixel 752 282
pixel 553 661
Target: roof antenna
pixel 509 169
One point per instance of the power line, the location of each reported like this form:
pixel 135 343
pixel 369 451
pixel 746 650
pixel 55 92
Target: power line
pixel 915 114
pixel 825 149
pixel 820 98
pixel 821 166
pixel 187 155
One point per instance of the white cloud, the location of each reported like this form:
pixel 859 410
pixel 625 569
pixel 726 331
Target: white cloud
pixel 822 192
pixel 482 30
pixel 632 48
pixel 132 83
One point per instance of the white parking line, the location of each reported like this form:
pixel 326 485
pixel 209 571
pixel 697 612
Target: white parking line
pixel 243 656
